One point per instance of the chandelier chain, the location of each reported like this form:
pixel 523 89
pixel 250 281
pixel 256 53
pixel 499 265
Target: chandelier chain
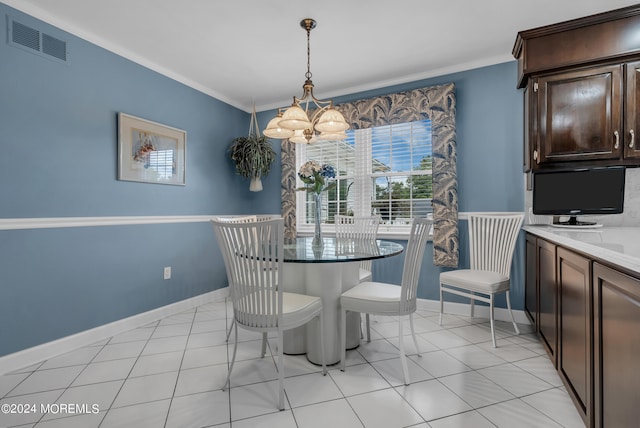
pixel 308 73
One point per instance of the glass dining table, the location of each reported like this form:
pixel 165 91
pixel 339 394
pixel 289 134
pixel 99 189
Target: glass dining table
pixel 327 272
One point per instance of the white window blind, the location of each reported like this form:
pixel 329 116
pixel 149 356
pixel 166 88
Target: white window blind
pixel 383 170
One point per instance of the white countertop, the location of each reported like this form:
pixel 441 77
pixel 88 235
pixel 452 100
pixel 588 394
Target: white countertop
pixel 617 245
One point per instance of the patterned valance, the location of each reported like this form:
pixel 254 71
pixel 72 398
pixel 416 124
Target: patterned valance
pixel 437 103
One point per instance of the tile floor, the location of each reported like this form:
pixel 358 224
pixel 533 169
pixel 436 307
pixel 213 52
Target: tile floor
pixel 170 373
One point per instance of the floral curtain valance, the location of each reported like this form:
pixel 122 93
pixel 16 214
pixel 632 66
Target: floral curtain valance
pixel 437 103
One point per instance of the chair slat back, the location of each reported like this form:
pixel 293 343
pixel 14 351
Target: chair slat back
pixel 420 230
pixel 246 218
pixel 252 255
pixel 357 227
pixel 264 217
pixel 492 241
pixel 362 228
pixel 237 219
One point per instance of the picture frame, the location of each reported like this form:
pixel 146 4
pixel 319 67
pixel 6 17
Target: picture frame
pixel 150 152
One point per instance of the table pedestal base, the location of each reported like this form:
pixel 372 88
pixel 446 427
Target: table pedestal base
pixel 327 281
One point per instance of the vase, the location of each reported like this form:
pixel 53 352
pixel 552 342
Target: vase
pixel 317 234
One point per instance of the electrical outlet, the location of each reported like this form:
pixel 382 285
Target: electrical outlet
pixel 167 272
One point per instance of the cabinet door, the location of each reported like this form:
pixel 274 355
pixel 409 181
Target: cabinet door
pixel 531 286
pixel 632 111
pixel 574 328
pixel 580 115
pixel 617 348
pixel 548 292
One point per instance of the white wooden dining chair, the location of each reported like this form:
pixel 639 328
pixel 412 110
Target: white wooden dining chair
pixel 380 298
pixel 240 219
pixel 245 219
pixel 492 241
pixel 365 228
pixel 253 258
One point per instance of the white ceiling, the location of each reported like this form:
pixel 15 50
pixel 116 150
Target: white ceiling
pixel 245 51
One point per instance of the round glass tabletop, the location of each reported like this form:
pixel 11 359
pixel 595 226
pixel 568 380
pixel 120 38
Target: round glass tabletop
pixel 300 250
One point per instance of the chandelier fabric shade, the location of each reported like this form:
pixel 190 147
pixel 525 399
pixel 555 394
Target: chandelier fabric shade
pixel 276 131
pixel 295 123
pixel 295 118
pixel 331 121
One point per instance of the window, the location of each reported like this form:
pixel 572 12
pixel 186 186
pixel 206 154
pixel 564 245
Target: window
pixel 383 170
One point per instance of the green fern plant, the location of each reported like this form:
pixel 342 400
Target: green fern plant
pixel 253 156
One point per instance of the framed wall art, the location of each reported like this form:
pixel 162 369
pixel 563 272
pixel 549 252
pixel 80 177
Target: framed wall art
pixel 150 152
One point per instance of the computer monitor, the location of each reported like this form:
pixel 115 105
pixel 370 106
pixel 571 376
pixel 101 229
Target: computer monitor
pixel 574 192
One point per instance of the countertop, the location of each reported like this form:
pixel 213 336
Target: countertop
pixel 617 245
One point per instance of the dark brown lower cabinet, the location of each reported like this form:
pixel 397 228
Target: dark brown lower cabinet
pixel 531 286
pixel 617 348
pixel 588 319
pixel 575 329
pixel 548 297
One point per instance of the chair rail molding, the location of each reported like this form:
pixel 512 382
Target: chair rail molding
pixel 62 222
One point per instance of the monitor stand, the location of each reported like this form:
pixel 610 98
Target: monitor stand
pixel 573 223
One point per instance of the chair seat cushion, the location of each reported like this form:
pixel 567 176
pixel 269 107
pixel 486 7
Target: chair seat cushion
pixel 372 297
pixel 482 281
pixel 298 309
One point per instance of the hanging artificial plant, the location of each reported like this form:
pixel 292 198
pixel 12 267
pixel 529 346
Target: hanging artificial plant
pixel 253 155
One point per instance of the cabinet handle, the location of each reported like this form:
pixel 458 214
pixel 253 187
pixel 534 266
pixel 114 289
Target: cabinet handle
pixel 617 135
pixel 633 137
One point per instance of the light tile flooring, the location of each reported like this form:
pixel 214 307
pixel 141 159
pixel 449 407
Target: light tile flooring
pixel 170 374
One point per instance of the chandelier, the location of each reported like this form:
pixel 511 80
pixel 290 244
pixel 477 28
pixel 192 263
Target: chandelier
pixel 325 123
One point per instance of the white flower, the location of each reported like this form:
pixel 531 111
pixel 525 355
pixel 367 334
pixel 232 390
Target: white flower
pixel 309 168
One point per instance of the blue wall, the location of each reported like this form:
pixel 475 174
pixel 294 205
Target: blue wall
pixel 58 145
pixel 58 142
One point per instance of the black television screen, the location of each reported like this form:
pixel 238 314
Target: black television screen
pixel 579 191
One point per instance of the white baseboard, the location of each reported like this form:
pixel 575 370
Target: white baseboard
pixel 481 311
pixel 45 351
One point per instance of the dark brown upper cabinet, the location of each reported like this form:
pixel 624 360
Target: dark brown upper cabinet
pixel 581 81
pixel 579 115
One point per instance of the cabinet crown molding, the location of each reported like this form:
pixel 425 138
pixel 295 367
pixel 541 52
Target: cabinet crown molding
pixel 605 36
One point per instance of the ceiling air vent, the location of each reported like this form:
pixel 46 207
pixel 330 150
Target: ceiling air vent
pixel 35 41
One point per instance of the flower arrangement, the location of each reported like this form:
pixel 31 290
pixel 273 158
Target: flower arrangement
pixel 317 178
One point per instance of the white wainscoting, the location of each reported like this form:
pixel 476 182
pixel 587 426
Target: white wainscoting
pixel 49 350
